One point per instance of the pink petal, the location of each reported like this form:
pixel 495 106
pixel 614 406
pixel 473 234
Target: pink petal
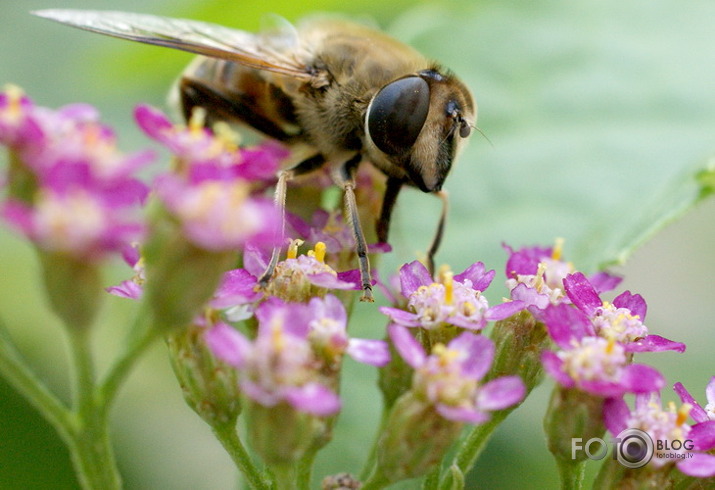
pixel 501 393
pixel 478 354
pixel 313 398
pixel 504 310
pixel 372 352
pixel 654 343
pixel 703 435
pixel 633 302
pixel 639 378
pixel 461 414
pixel 698 413
pixel 552 365
pixel 477 275
pixel 566 323
pixel 699 465
pixel 582 293
pixel 412 276
pixel 406 345
pixel 615 415
pixel 228 344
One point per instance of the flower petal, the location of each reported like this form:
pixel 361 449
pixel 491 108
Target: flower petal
pixel 530 296
pixel 228 344
pixel 412 276
pixel 654 343
pixel 237 287
pixel 525 261
pixel 400 316
pixel 582 293
pixel 703 435
pixel 639 378
pixel 477 275
pixel 552 365
pixel 367 351
pixel 313 398
pixel 633 302
pixel 615 415
pixel 501 393
pixel 566 323
pixel 603 282
pixel 127 289
pixel 698 413
pixel 461 414
pixel 478 353
pixel 406 345
pixel 698 465
pixel 710 391
pixel 504 310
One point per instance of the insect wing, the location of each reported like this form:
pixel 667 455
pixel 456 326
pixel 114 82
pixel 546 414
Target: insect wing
pixel 187 35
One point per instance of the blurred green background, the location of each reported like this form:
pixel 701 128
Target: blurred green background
pixel 596 111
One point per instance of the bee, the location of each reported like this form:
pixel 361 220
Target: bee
pixel 348 92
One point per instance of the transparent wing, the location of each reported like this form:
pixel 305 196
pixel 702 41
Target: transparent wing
pixel 188 35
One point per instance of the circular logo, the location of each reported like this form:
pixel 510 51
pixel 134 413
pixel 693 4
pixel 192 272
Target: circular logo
pixel 635 448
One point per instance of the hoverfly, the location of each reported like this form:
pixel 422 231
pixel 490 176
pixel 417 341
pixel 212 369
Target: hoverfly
pixel 349 92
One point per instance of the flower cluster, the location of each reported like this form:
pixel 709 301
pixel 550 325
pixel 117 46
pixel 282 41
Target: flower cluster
pixel 71 191
pixel 449 300
pixel 679 443
pixel 295 345
pixel 209 190
pixel 261 336
pixel 596 338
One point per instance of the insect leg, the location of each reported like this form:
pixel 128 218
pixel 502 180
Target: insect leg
pixel 432 250
pixel 392 189
pixel 306 166
pixel 347 182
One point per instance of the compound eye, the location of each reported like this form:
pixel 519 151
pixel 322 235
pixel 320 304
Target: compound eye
pixel 397 113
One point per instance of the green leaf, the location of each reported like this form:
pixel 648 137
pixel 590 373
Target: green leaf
pixel 601 117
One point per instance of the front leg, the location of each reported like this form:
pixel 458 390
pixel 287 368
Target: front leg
pixel 346 180
pixel 306 166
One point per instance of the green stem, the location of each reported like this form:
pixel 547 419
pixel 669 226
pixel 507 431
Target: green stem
pixel 572 473
pixel 14 369
pixel 285 476
pixel 431 479
pixel 376 481
pixel 472 447
pixel 90 447
pixel 141 338
pixel 371 462
pixel 305 470
pixel 227 436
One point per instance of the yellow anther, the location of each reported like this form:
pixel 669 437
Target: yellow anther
pixel 197 121
pixel 558 249
pixel 683 413
pixel 293 248
pixel 443 354
pixel 229 138
pixel 468 309
pixel 14 95
pixel 611 345
pixel 539 282
pixel 319 252
pixel 448 281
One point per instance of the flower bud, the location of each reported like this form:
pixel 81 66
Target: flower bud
pixel 572 414
pixel 519 342
pixel 73 287
pixel 210 386
pixel 181 277
pixel 280 434
pixel 416 438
